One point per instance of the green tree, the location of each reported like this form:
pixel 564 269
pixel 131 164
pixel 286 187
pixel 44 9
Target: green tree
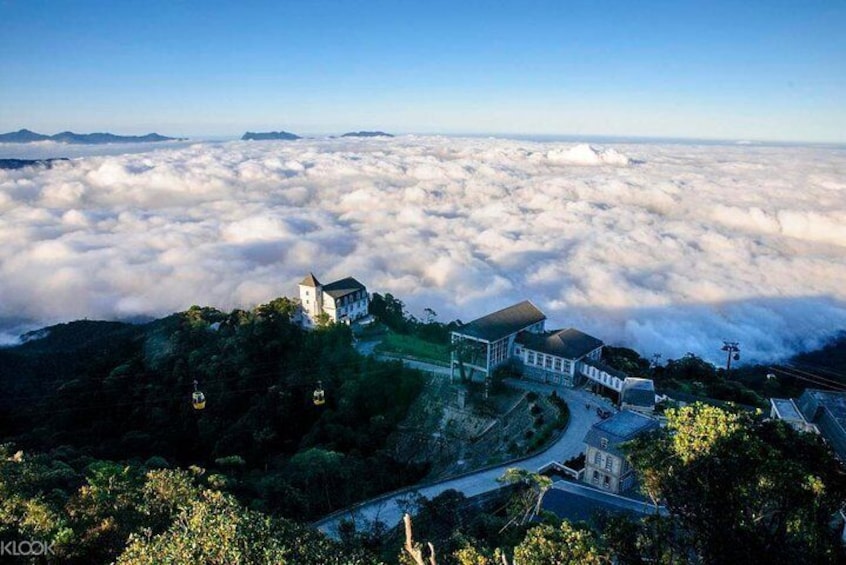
pixel 564 545
pixel 166 493
pixel 320 471
pixel 688 368
pixel 526 502
pixel 215 529
pixel 107 508
pixel 391 312
pixel 739 490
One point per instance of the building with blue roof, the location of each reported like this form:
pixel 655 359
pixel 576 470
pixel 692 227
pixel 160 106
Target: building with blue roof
pixel 606 465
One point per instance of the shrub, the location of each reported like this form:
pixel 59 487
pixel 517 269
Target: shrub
pixel 232 462
pixel 156 462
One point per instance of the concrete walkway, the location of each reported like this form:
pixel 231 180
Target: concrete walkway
pixel 387 508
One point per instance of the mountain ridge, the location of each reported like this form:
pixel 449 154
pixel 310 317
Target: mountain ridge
pixel 12 164
pixel 269 136
pixel 367 134
pixel 97 138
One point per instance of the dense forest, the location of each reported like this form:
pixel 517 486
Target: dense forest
pixel 122 392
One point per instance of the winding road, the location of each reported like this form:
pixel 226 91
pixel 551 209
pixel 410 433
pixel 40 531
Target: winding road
pixel 387 508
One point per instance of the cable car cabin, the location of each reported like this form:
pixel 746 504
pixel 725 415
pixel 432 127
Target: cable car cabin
pixel 319 396
pixel 198 399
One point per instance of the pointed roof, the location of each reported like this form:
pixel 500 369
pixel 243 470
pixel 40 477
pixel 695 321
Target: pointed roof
pixel 310 280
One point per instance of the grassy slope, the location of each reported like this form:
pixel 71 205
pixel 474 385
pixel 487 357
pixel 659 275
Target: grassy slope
pixel 411 346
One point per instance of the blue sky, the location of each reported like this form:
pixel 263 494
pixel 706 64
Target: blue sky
pixel 767 70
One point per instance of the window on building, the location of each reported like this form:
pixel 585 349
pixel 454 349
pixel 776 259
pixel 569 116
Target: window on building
pixel 606 481
pixel 531 358
pixel 595 477
pixel 547 362
pixel 609 463
pixel 597 458
pixel 517 350
pixel 557 364
pixel 603 442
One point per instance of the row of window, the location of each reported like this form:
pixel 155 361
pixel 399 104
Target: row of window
pixel 352 308
pixel 548 362
pixel 344 300
pixel 606 379
pixel 349 298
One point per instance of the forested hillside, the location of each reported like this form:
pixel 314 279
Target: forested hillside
pixel 122 392
pixel 104 459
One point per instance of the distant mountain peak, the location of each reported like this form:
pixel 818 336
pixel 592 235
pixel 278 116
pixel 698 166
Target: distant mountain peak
pixel 367 134
pixel 22 136
pixel 269 135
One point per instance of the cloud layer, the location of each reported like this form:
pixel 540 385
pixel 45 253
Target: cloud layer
pixel 666 248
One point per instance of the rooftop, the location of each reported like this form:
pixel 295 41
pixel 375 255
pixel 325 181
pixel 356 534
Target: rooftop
pixel 813 401
pixel 343 287
pixel 577 502
pixel 569 343
pixel 617 429
pixel 625 424
pixel 310 280
pixel 826 409
pixel 503 323
pixel 786 409
pixel 638 392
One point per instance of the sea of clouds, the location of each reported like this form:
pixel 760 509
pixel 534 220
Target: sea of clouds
pixel 665 248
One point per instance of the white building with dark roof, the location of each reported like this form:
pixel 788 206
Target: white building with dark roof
pixel 555 357
pixel 343 301
pixel 487 342
pixel 562 357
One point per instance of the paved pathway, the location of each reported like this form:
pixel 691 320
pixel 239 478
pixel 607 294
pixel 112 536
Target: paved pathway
pixel 570 444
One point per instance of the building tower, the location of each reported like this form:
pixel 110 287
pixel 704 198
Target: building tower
pixel 311 298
